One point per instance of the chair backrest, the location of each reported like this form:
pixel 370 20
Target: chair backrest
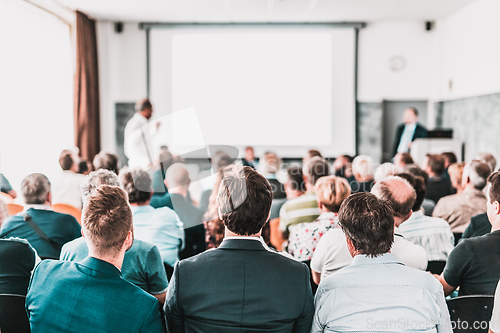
pixel 470 313
pixel 14 208
pixel 6 198
pixel 13 317
pixel 276 236
pixel 68 209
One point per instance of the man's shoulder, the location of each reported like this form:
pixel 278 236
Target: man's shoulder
pixel 50 214
pixel 75 250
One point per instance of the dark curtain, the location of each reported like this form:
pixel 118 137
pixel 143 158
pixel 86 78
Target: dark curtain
pixel 86 110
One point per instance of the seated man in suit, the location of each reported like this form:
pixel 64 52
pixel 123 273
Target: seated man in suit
pixel 46 230
pixel 437 185
pixel 377 292
pixel 408 131
pixel 240 286
pixel 91 296
pixel 142 264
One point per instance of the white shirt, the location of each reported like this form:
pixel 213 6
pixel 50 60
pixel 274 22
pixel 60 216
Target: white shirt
pixel 406 137
pixel 136 145
pixel 380 294
pixel 332 254
pixel 66 189
pixel 495 316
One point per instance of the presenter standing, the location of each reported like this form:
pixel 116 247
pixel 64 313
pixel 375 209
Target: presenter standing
pixel 140 139
pixel 407 132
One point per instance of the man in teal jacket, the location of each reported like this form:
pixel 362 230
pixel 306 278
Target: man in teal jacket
pixel 91 296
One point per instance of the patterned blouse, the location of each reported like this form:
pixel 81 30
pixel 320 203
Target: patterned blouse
pixel 304 237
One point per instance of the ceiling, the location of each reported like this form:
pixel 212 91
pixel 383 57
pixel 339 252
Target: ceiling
pixel 264 10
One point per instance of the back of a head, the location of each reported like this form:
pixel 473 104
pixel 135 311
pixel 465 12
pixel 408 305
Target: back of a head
pixel 315 168
pixel 362 165
pixel 107 161
pixel 270 163
pixel 296 178
pixel 177 176
pixel 137 183
pixel 383 171
pixel 417 171
pixel 97 178
pixel 368 223
pixel 35 188
pixel 435 162
pixel 488 159
pixel 456 171
pixel 418 184
pixel 166 158
pixel 398 192
pixel 221 160
pixel 449 158
pixel 314 153
pixel 244 200
pixel 106 219
pixel 143 104
pixel 494 190
pixel 405 158
pixel 66 160
pixel 477 172
pixel 331 191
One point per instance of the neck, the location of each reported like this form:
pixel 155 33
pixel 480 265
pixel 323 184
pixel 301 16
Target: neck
pixel 229 233
pixel 469 186
pixel 182 190
pixel 309 187
pixel 137 204
pixel 293 194
pixel 362 179
pixel 115 260
pixel 323 209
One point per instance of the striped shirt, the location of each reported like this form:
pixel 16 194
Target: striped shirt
pixel 432 233
pixel 299 210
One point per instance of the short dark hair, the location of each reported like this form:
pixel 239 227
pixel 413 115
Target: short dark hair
pixel 414 109
pixel 106 161
pixel 143 104
pixel 417 171
pixel 107 218
pixel 314 153
pixel 494 180
pixel 244 199
pixel 418 184
pixel 137 184
pixel 66 159
pixel 316 168
pixel 450 157
pixel 296 178
pixel 401 202
pixel 406 158
pixel 436 163
pixel 368 223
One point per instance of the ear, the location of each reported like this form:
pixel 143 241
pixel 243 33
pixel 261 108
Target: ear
pixel 320 204
pixel 350 246
pixel 48 199
pixel 496 207
pixel 408 216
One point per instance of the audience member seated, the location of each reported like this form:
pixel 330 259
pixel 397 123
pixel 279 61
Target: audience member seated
pixel 177 181
pixel 165 160
pixel 91 296
pixel 294 187
pixel 219 161
pixel 18 260
pixel 142 264
pixel 362 168
pixel 457 209
pixel 214 227
pixel 449 159
pixel 433 234
pixel 106 161
pixel 456 172
pixel 305 207
pixel 383 171
pixel 495 316
pixel 158 226
pixel 376 289
pixel 474 263
pixel 311 153
pixel 427 205
pixel 437 186
pixel 332 252
pixel 304 237
pixel 5 186
pixel 488 159
pixel 343 167
pixel 479 225
pixel 85 167
pixel 249 159
pixel 46 230
pixel 66 187
pixel 269 165
pixel 240 286
pixel 401 160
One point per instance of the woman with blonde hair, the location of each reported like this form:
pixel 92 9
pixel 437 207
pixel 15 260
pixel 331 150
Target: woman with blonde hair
pixel 331 191
pixel 456 171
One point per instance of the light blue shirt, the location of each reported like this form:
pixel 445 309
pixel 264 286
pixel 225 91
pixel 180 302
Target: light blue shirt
pixel 406 137
pixel 380 295
pixel 161 227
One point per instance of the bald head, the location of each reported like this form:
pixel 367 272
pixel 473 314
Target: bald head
pixel 177 178
pixel 399 194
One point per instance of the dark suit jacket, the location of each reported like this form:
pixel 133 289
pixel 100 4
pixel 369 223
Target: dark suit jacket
pixel 239 287
pixel 479 225
pixel 89 296
pixel 420 133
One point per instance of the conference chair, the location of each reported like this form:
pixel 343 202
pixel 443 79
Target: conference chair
pixel 7 199
pixel 68 209
pixel 470 313
pixel 14 208
pixel 276 236
pixel 13 317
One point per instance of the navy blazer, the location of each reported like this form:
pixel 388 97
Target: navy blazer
pixel 89 296
pixel 239 287
pixel 420 133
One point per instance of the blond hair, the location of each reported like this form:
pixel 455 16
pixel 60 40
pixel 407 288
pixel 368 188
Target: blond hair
pixel 331 191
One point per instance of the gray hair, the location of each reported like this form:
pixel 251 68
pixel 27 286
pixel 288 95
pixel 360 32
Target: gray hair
pixel 363 165
pixel 35 188
pixel 383 171
pixel 96 179
pixel 488 159
pixel 477 172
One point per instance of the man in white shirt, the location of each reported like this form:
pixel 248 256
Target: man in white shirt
pixel 140 146
pixel 66 187
pixel 377 292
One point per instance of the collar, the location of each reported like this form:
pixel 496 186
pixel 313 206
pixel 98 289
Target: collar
pixel 386 258
pixel 240 243
pixel 473 192
pixel 397 232
pixel 411 126
pixel 140 117
pixel 38 207
pixel 101 266
pixel 142 208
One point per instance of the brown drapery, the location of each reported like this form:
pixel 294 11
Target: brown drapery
pixel 86 96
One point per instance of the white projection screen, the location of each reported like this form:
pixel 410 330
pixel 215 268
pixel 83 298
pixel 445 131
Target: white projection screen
pixel 285 89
